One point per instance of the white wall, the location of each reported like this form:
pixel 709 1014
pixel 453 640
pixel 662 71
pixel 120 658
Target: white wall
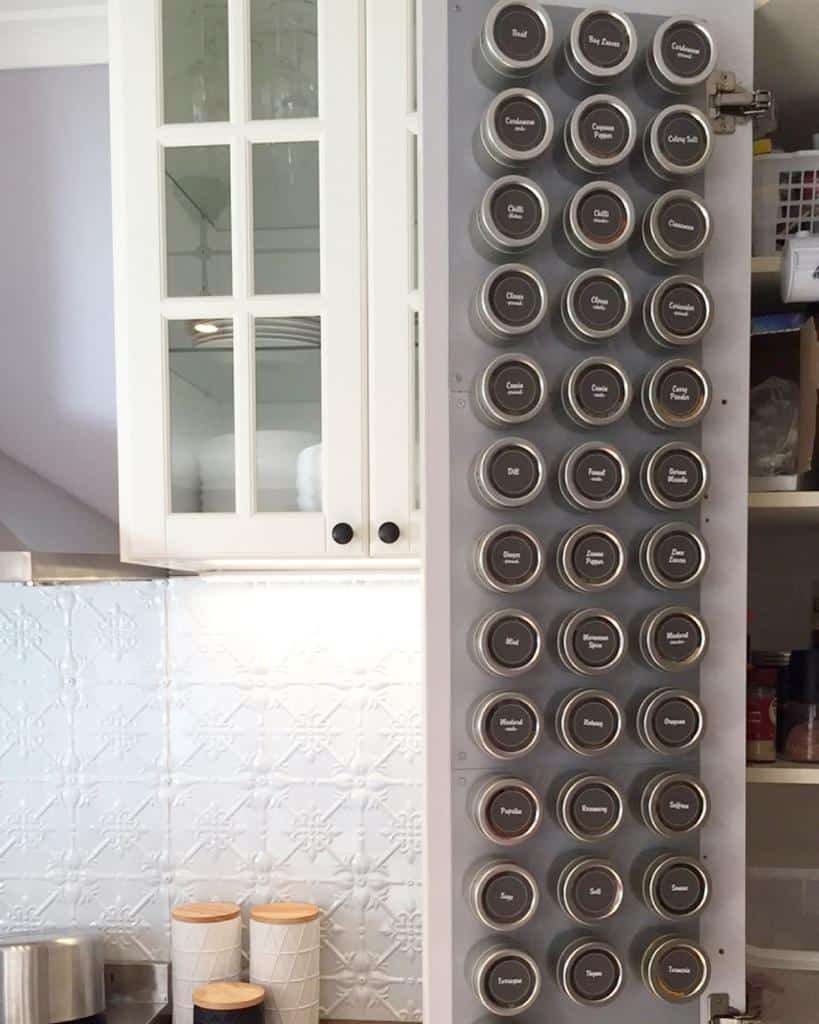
pixel 194 740
pixel 57 405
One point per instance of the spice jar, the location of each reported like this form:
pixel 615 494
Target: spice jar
pixel 780 660
pixel 801 710
pixel 762 714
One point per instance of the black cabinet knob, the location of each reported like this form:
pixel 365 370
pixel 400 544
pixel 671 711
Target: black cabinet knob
pixel 343 533
pixel 388 533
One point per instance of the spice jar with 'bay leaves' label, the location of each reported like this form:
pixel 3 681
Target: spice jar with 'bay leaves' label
pixel 762 715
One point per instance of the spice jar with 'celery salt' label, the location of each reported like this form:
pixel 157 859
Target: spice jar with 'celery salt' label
pixel 800 726
pixel 762 710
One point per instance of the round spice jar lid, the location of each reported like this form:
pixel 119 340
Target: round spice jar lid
pixel 205 913
pixel 285 913
pixel 228 995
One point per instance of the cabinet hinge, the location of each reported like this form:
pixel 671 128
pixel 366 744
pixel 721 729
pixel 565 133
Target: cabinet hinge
pixel 720 1009
pixel 730 103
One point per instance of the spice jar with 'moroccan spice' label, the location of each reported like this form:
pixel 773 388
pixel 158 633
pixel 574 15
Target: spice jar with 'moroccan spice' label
pixel 762 710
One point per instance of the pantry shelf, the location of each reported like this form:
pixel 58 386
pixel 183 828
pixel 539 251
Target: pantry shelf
pixel 795 506
pixel 784 772
pixel 783 959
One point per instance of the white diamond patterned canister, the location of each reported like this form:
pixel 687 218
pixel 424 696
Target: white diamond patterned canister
pixel 284 958
pixel 206 945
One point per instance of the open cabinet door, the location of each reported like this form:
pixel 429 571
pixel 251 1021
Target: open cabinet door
pixel 585 503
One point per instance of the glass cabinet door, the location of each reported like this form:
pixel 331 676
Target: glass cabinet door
pixel 238 179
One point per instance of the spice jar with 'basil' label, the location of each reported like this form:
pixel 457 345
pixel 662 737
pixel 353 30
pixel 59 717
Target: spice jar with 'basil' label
pixel 762 715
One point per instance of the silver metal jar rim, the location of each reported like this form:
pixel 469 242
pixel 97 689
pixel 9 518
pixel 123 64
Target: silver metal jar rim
pixel 483 397
pixel 479 729
pixel 497 149
pixel 567 485
pixel 654 954
pixel 651 312
pixel 582 331
pixel 648 555
pixel 485 487
pixel 487 791
pixel 497 329
pixel 651 400
pixel 652 703
pixel 569 957
pixel 489 230
pixel 566 548
pixel 572 872
pixel 503 63
pixel 648 639
pixel 658 67
pixel 581 65
pixel 485 874
pixel 652 492
pixel 654 155
pixel 574 786
pixel 573 406
pixel 565 648
pixel 653 876
pixel 653 238
pixel 574 231
pixel 484 963
pixel 576 148
pixel 482 565
pixel 569 704
pixel 481 642
pixel 652 792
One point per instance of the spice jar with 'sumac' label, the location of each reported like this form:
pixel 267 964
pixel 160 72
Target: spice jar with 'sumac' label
pixel 762 711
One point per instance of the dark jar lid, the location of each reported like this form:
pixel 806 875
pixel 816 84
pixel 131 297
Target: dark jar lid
pixel 804 677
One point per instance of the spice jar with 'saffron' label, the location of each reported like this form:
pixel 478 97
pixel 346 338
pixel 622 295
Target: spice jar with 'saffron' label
pixel 762 710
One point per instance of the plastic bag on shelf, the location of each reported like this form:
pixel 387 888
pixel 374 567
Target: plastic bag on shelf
pixel 774 427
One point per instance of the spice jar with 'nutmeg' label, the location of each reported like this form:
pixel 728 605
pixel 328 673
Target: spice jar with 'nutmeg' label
pixel 762 714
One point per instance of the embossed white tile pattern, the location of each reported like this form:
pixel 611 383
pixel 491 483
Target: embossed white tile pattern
pixel 226 740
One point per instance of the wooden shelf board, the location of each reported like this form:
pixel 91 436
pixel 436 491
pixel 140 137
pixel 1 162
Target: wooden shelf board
pixel 766 266
pixel 784 772
pixel 793 506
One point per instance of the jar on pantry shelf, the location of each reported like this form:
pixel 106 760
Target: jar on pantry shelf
pixel 284 959
pixel 779 660
pixel 800 713
pixel 762 712
pixel 206 946
pixel 228 1002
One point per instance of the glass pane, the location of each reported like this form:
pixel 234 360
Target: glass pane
pixel 203 456
pixel 288 414
pixel 195 60
pixel 284 58
pixel 197 221
pixel 286 218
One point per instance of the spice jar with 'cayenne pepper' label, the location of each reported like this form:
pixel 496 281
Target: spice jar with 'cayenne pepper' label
pixel 762 715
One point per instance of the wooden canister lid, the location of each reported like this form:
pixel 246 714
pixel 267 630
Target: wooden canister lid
pixel 228 995
pixel 205 913
pixel 285 913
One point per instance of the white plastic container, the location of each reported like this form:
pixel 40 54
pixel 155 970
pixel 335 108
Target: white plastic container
pixel 284 958
pixel 206 946
pixel 786 199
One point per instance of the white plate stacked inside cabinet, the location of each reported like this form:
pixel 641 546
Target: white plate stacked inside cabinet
pixel 284 957
pixel 206 945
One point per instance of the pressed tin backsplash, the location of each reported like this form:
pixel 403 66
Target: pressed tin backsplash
pixel 161 742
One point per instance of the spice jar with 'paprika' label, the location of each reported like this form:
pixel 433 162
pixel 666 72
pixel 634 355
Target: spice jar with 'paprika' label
pixel 762 714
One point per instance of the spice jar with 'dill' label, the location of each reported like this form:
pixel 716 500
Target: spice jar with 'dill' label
pixel 762 710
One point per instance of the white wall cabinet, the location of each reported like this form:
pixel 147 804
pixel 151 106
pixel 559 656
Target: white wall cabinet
pixel 265 166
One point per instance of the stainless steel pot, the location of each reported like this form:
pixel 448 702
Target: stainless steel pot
pixel 52 977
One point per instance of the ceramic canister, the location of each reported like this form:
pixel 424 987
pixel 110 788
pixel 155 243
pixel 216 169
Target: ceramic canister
pixel 228 1002
pixel 284 958
pixel 206 946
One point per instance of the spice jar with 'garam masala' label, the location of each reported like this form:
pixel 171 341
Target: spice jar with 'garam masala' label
pixel 762 710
